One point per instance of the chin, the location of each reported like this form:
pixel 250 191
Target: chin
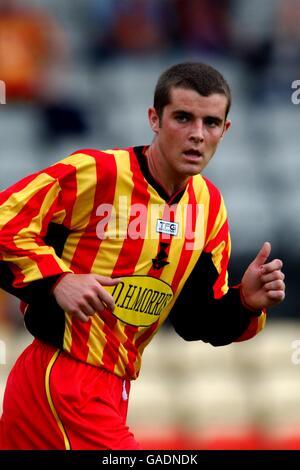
pixel 194 170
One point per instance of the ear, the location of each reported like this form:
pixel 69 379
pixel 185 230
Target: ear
pixel 153 120
pixel 227 125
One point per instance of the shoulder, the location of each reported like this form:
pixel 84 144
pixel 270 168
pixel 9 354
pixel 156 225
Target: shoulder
pixel 204 185
pixel 102 155
pixel 101 161
pixel 92 155
pixel 103 158
pixel 210 196
pixel 211 187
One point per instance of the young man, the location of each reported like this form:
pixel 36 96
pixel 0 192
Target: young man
pixel 102 247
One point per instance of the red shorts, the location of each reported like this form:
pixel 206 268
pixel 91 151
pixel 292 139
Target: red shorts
pixel 53 401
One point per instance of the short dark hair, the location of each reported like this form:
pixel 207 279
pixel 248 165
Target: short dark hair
pixel 202 78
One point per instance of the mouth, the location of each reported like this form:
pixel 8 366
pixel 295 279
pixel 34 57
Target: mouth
pixel 193 154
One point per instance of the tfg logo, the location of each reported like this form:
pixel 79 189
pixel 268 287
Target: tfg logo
pixel 169 228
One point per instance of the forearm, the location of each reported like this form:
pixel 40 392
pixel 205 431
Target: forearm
pixel 27 274
pixel 199 315
pixel 216 321
pixel 29 292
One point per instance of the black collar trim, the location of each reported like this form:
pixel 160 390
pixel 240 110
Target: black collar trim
pixel 142 159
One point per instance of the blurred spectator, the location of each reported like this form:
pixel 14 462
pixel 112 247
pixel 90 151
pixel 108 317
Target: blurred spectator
pixel 33 57
pixel 267 41
pixel 130 27
pixel 285 53
pixel 26 50
pixel 203 25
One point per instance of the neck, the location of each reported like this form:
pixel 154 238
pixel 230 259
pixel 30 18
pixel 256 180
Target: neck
pixel 162 173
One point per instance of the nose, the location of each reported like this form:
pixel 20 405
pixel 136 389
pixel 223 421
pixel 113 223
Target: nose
pixel 196 134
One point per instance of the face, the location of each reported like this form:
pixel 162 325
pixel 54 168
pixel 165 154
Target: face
pixel 188 132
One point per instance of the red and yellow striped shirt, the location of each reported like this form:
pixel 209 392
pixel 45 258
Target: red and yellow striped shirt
pixel 101 212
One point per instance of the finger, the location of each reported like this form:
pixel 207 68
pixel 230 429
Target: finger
pixel 80 316
pixel 275 285
pixel 107 299
pixel 107 281
pixel 97 304
pixel 273 276
pixel 93 301
pixel 274 265
pixel 263 254
pixel 87 308
pixel 276 295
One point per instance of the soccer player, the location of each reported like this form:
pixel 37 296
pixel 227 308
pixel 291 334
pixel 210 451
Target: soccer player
pixel 101 247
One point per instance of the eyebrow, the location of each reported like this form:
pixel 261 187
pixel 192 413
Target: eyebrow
pixel 215 119
pixel 181 111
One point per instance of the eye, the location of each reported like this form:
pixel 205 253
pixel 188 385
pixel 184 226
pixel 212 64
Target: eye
pixel 212 122
pixel 182 118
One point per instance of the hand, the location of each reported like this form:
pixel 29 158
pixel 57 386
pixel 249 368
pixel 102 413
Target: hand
pixel 82 295
pixel 263 285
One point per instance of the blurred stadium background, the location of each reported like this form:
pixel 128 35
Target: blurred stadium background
pixel 81 73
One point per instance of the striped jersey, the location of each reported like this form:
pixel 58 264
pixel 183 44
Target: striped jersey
pixel 102 212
